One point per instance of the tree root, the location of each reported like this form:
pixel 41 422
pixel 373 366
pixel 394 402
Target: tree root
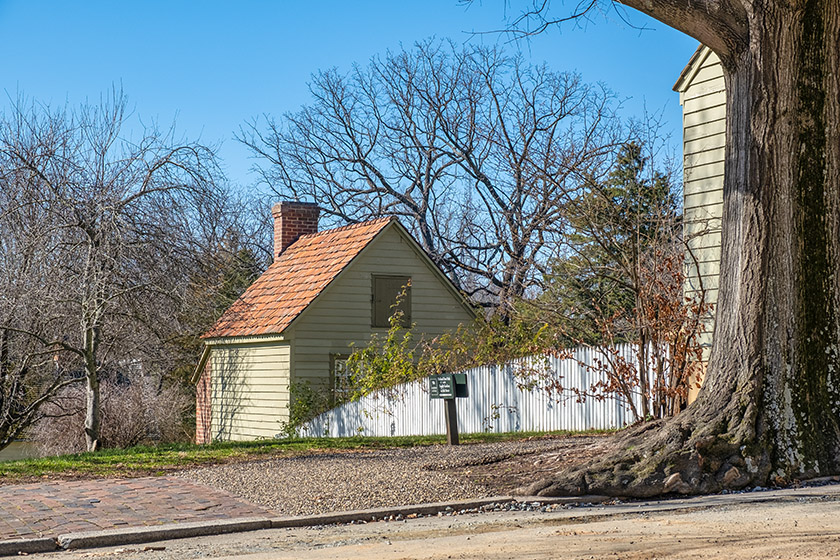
pixel 665 457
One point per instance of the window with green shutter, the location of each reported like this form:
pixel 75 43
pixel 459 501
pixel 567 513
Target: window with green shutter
pixel 390 294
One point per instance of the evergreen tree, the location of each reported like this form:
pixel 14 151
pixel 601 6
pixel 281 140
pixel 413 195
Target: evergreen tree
pixel 614 228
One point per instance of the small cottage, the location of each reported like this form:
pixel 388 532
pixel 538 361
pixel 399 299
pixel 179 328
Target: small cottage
pixel 295 324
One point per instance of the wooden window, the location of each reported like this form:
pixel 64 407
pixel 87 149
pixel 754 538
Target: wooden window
pixel 340 382
pixel 390 294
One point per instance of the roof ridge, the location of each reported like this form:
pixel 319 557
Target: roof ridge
pixel 349 227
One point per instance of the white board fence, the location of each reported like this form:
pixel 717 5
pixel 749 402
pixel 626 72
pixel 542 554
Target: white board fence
pixel 506 398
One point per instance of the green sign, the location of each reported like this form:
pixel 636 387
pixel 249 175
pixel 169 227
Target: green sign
pixel 448 386
pixel 442 386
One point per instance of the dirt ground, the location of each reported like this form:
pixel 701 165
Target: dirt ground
pixel 520 470
pixel 780 524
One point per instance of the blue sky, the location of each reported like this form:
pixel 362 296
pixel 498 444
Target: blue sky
pixel 211 65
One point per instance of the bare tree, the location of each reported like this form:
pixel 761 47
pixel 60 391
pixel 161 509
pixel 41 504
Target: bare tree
pixel 118 216
pixel 769 410
pixel 30 373
pixel 472 148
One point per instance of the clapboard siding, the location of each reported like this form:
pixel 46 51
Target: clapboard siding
pixel 709 70
pixel 251 380
pixel 342 314
pixel 704 89
pixel 704 171
pixel 706 198
pixel 704 157
pixel 705 241
pixel 703 116
pixel 703 98
pixel 710 291
pixel 704 130
pixel 250 390
pixel 711 298
pixel 710 281
pixel 706 183
pixel 704 143
pixel 703 220
pixel 707 255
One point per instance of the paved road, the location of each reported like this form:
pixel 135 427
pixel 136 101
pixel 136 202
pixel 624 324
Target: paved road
pixel 52 508
pixel 780 524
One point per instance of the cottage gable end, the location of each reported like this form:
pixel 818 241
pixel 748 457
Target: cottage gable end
pixel 343 313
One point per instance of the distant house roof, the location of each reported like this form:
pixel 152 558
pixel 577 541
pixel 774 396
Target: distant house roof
pixel 294 280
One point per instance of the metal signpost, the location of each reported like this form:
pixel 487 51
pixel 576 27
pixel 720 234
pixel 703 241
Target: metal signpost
pixel 449 386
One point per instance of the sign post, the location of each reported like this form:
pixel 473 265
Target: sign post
pixel 449 386
pixel 451 419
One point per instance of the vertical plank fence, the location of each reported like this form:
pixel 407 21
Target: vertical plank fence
pixel 512 397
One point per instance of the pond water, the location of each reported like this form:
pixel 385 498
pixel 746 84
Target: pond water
pixel 19 450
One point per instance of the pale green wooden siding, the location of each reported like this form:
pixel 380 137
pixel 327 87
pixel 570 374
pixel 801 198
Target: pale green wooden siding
pixel 704 134
pixel 342 314
pixel 250 390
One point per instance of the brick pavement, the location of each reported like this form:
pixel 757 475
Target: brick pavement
pixel 52 508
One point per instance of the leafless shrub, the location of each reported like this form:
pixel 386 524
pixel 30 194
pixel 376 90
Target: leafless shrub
pixel 132 414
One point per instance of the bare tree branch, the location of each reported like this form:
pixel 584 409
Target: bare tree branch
pixel 473 148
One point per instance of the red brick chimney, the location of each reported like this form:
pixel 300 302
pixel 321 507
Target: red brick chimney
pixel 291 220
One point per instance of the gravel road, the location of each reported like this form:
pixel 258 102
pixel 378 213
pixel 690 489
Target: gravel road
pixel 323 482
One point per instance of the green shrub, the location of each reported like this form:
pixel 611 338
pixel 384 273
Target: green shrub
pixel 305 403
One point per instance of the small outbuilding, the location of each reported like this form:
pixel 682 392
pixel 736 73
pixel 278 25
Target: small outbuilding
pixel 703 98
pixel 295 324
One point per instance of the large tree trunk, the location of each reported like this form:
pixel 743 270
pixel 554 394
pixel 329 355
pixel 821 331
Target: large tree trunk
pixel 769 411
pixel 773 365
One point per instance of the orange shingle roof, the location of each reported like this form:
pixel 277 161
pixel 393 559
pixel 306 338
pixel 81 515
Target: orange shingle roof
pixel 294 280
